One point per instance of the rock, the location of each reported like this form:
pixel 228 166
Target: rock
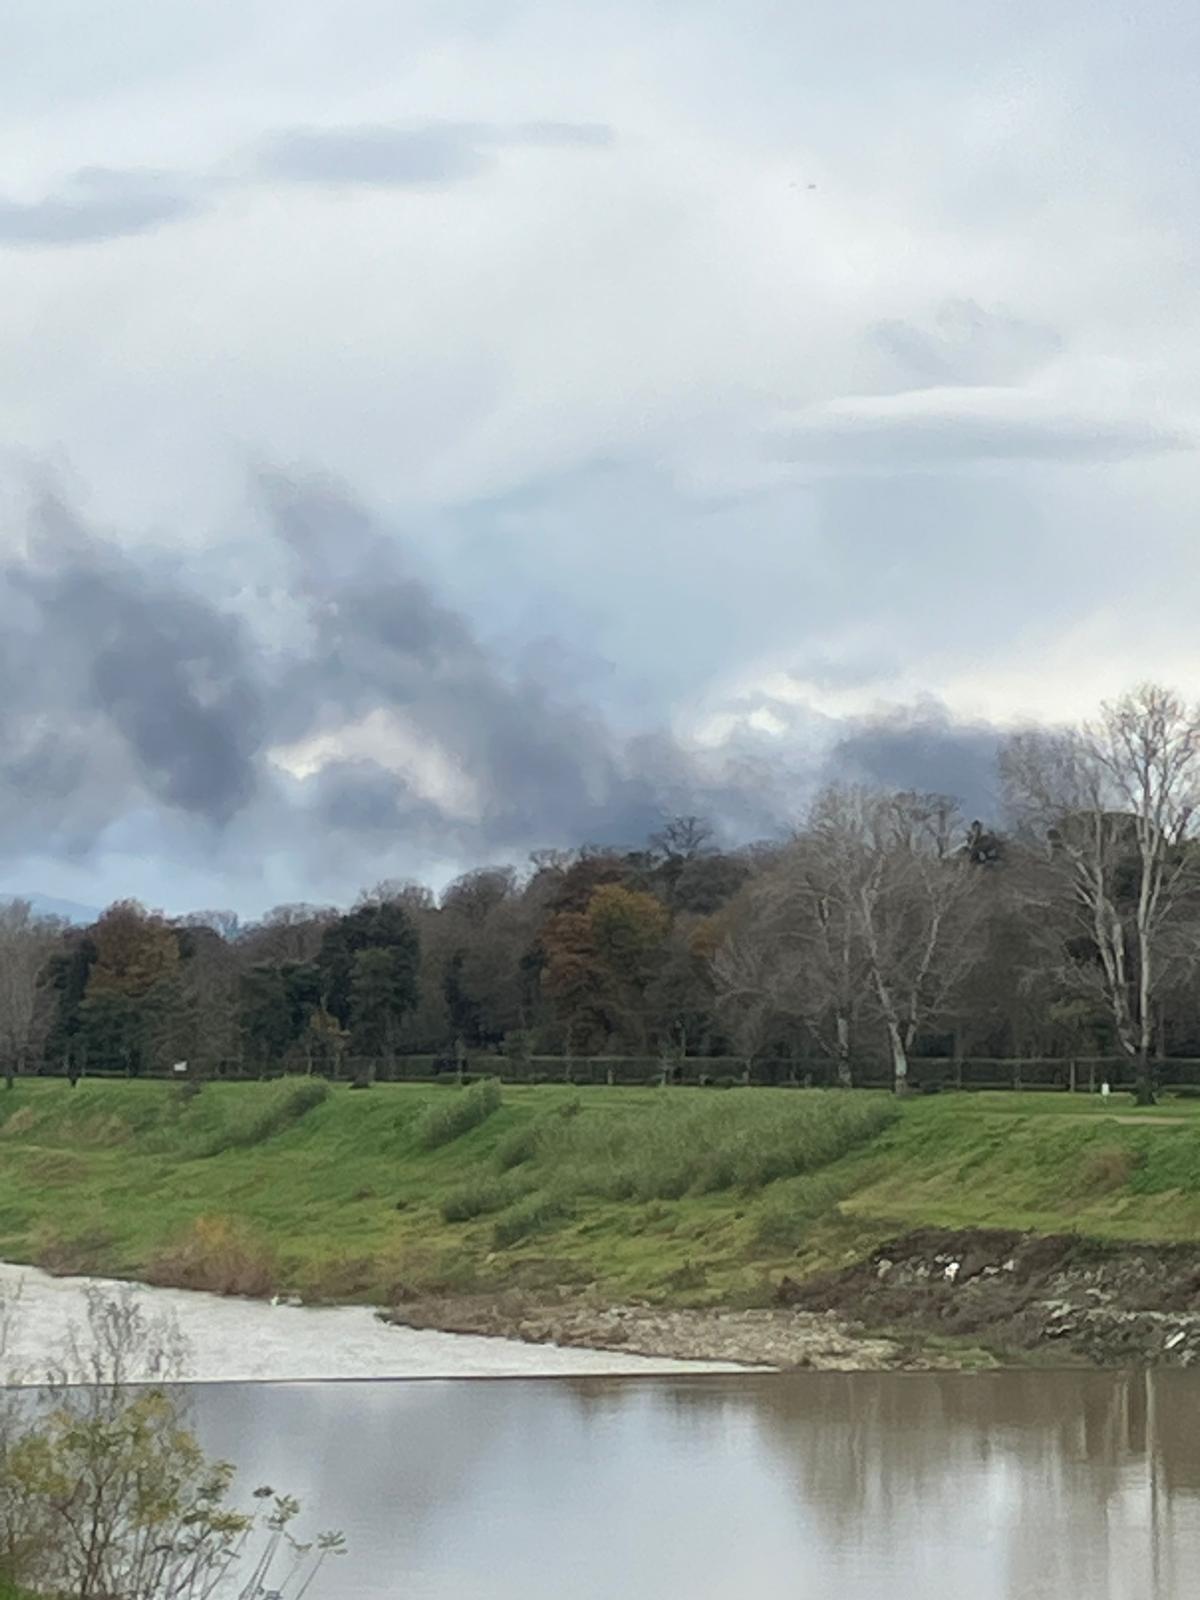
pixel 884 1267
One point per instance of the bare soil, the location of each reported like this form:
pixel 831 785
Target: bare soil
pixel 933 1298
pixel 1019 1294
pixel 777 1338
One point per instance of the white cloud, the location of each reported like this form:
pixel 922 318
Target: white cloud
pixel 928 424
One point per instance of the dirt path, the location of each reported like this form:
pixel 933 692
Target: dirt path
pixel 1137 1118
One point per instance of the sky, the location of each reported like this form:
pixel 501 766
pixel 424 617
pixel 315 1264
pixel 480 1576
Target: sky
pixel 430 432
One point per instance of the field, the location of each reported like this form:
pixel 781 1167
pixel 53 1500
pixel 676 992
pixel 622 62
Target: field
pixel 683 1196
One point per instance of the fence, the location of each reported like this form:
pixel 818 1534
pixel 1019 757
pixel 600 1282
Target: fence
pixel 1080 1074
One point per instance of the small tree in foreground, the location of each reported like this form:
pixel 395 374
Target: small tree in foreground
pixel 105 1492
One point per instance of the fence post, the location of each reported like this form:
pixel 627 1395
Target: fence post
pixel 1071 1075
pixel 1016 1072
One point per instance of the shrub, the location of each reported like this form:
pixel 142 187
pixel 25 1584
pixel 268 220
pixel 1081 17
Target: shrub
pixel 672 1147
pixel 221 1255
pixel 785 1222
pixel 1109 1167
pixel 441 1124
pixel 287 1105
pixel 531 1215
pixel 476 1199
pixel 519 1145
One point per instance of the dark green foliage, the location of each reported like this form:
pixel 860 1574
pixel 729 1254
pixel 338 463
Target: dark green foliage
pixel 463 1009
pixel 276 1006
pixel 66 976
pixel 375 925
pixel 381 990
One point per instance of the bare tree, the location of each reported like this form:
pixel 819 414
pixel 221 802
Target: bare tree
pixel 287 933
pixel 870 910
pixel 796 953
pixel 894 872
pixel 1113 805
pixel 748 978
pixel 26 944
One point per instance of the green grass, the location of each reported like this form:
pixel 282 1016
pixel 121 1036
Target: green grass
pixel 678 1195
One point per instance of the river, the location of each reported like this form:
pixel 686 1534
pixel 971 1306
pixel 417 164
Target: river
pixel 861 1486
pixel 599 1482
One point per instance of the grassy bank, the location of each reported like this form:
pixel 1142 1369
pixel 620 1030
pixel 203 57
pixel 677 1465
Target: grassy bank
pixel 685 1196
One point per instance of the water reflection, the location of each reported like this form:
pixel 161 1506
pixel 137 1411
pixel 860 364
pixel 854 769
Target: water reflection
pixel 1010 1486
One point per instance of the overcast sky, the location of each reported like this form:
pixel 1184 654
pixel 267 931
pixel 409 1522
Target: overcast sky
pixel 430 430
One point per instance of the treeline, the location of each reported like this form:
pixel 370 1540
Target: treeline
pixel 885 927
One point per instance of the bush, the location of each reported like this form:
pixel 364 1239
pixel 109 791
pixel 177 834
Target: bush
pixel 1109 1167
pixel 785 1222
pixel 531 1215
pixel 288 1104
pixel 221 1255
pixel 477 1198
pixel 519 1145
pixel 674 1146
pixel 441 1124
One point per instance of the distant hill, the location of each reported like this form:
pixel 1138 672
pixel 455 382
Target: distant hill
pixel 45 905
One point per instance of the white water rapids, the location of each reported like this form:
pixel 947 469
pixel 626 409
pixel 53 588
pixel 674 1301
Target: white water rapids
pixel 232 1340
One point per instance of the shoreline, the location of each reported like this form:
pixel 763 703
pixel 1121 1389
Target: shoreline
pixel 758 1340
pixel 930 1300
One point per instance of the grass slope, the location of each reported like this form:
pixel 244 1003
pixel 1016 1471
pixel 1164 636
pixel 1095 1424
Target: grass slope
pixel 687 1196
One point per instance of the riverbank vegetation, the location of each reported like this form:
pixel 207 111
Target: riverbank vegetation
pixel 681 1196
pixel 105 1491
pixel 884 930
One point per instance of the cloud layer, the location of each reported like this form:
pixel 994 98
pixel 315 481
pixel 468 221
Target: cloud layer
pixel 718 383
pixel 374 732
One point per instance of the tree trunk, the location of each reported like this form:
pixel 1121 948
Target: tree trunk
pixel 1143 1078
pixel 845 1077
pixel 899 1058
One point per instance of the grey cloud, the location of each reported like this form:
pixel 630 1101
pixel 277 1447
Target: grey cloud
pixel 97 203
pixel 386 156
pixel 154 711
pixel 967 344
pixel 93 204
pixel 137 660
pixel 922 747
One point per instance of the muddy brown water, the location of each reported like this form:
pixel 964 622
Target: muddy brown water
pixel 1046 1485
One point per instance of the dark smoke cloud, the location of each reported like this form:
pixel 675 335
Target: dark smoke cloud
pixel 141 707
